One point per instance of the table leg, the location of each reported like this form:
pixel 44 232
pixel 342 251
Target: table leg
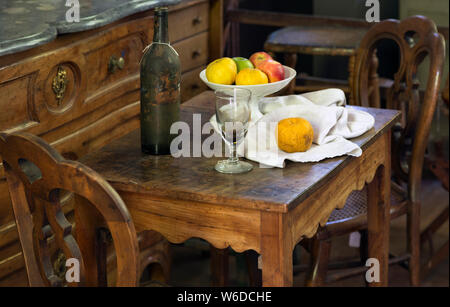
pixel 378 195
pixel 276 252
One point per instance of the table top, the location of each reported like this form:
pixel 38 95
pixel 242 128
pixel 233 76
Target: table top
pixel 26 24
pixel 194 179
pixel 335 40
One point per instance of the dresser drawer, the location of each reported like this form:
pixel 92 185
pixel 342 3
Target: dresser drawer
pixel 113 62
pixel 6 214
pixel 191 85
pixel 119 57
pixel 193 51
pixel 187 22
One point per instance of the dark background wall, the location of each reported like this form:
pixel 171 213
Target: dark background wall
pixel 253 37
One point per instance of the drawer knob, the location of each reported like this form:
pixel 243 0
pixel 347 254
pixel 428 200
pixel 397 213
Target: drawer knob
pixel 196 54
pixel 115 63
pixel 197 20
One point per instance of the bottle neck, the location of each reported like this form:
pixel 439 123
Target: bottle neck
pixel 161 32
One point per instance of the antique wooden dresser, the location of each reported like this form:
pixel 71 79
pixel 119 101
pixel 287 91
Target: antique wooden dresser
pixel 80 90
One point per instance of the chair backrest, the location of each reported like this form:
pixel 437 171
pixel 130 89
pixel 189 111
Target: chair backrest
pixel 416 37
pixel 37 175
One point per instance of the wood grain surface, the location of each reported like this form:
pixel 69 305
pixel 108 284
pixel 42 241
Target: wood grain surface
pixel 195 179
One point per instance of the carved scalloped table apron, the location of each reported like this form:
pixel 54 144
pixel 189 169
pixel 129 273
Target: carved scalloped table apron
pixel 266 210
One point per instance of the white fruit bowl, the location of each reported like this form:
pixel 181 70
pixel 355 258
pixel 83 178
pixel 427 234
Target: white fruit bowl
pixel 258 91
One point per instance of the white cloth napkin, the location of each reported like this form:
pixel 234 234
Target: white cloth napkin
pixel 332 123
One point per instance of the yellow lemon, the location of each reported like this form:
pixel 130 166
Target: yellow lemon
pixel 222 71
pixel 251 76
pixel 294 135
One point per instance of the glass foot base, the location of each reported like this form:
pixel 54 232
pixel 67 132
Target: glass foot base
pixel 227 167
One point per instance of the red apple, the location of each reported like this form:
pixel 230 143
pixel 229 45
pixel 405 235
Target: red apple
pixel 259 57
pixel 273 70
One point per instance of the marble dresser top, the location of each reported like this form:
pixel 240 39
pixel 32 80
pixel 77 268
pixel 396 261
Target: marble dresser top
pixel 25 24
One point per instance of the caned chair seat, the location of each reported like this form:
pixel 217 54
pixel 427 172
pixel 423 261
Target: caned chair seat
pixel 354 214
pixel 316 40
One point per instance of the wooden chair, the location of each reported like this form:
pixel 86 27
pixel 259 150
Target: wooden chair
pixel 417 37
pixel 38 177
pixel 439 167
pixel 322 39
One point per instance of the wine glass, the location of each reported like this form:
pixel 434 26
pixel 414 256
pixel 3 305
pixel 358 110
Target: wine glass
pixel 233 116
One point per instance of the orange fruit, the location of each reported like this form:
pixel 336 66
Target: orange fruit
pixel 294 135
pixel 222 71
pixel 251 76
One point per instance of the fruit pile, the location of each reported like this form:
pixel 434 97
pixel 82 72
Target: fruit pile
pixel 259 69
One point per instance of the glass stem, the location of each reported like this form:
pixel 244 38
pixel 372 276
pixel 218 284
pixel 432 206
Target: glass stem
pixel 233 154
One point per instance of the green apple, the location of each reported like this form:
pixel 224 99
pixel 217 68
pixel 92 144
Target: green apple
pixel 242 63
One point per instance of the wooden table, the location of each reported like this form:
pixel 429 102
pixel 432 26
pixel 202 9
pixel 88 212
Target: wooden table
pixel 266 210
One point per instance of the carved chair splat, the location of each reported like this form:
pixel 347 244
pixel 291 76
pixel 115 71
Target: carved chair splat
pixel 36 176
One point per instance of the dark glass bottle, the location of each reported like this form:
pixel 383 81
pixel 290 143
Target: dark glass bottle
pixel 160 89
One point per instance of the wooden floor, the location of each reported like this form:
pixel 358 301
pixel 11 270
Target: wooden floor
pixel 191 260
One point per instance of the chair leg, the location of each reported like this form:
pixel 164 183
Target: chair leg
pixel 219 267
pixel 156 259
pixel 414 243
pixel 254 274
pixel 320 255
pixel 364 247
pixel 101 253
pixel 364 250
